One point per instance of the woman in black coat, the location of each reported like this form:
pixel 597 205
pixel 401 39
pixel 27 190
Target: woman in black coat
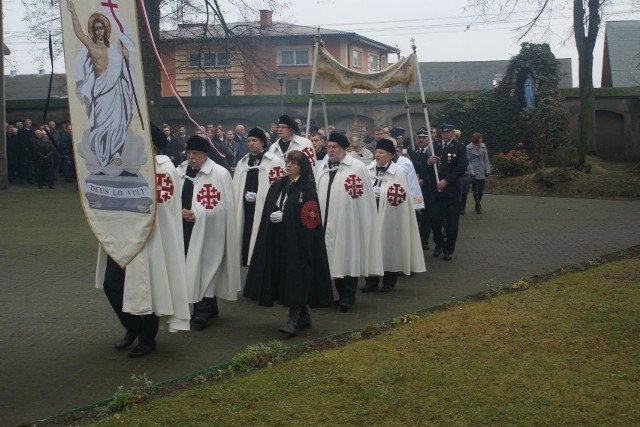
pixel 289 262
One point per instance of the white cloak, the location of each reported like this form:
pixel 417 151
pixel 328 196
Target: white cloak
pixel 297 143
pixel 213 259
pixel 352 225
pixel 398 224
pixel 412 179
pixel 270 169
pixel 155 278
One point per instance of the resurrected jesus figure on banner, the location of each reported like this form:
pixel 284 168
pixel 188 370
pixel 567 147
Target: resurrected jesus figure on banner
pixel 105 88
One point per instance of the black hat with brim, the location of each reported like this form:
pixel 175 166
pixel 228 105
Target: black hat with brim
pixel 158 137
pixel 197 143
pixel 258 133
pixel 387 145
pixel 288 121
pixel 340 139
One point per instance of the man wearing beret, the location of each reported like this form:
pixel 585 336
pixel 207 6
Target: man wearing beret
pixel 255 172
pixel 152 286
pixel 398 225
pixel 210 234
pixel 450 159
pixel 288 140
pixel 348 210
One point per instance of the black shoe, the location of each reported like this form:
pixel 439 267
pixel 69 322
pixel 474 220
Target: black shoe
pixel 447 257
pixel 369 288
pixel 437 251
pixel 305 319
pixel 425 247
pixel 126 342
pixel 142 350
pixel 386 288
pixel 200 322
pixel 344 307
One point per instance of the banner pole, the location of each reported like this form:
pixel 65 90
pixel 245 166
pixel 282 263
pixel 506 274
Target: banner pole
pixel 424 105
pixel 313 78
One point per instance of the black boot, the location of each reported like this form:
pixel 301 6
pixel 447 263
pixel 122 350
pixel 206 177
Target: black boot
pixel 477 198
pixel 291 327
pixel 305 318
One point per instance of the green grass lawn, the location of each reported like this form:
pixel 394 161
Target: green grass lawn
pixel 563 352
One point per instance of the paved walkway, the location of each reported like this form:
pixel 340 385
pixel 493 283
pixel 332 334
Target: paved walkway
pixel 57 332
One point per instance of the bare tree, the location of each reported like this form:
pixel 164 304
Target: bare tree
pixel 587 15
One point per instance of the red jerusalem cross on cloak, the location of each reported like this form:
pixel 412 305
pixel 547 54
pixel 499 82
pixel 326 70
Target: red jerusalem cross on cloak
pixel 208 196
pixel 164 187
pixel 309 152
pixel 353 186
pixel 396 195
pixel 275 173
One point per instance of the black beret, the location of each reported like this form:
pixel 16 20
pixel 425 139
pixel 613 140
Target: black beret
pixel 387 145
pixel 258 133
pixel 288 121
pixel 158 137
pixel 423 132
pixel 197 143
pixel 342 140
pixel 396 132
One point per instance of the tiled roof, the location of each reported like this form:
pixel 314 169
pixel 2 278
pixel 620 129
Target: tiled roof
pixel 621 62
pixel 471 75
pixel 34 86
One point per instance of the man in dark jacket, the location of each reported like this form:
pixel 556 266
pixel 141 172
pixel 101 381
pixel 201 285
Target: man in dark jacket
pixel 420 158
pixel 450 159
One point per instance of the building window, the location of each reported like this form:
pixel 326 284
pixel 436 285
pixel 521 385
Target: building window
pixel 374 63
pixel 211 87
pixel 294 57
pixel 357 59
pixel 209 60
pixel 297 86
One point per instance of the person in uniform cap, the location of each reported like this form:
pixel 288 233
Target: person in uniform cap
pixel 399 236
pixel 348 210
pixel 450 159
pixel 210 234
pixel 255 172
pixel 288 140
pixel 420 157
pixel 152 286
pixel 289 263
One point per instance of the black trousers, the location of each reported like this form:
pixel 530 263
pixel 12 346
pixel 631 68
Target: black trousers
pixel 346 288
pixel 389 279
pixel 144 327
pixel 424 226
pixel 441 208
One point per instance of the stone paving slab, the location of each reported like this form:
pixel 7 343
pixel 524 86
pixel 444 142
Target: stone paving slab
pixel 57 331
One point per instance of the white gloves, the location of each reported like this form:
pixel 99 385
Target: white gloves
pixel 250 196
pixel 276 217
pixel 376 192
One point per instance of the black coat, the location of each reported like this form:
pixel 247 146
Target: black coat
pixel 289 262
pixel 453 164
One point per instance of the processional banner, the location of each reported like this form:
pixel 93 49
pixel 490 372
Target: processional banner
pixel 402 72
pixel 107 102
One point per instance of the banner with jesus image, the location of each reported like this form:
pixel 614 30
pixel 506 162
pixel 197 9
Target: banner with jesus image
pixel 107 102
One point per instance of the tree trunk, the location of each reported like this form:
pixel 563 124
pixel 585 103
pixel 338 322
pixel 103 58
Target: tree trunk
pixel 585 43
pixel 151 70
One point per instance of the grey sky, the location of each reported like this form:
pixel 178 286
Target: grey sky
pixel 439 28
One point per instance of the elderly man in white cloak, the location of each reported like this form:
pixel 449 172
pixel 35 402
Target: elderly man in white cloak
pixel 254 174
pixel 288 140
pixel 398 224
pixel 152 285
pixel 210 234
pixel 351 223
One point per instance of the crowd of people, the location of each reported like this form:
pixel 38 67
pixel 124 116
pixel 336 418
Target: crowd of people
pixel 298 212
pixel 39 154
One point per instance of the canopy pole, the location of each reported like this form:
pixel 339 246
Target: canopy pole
pixel 424 105
pixel 313 79
pixel 324 109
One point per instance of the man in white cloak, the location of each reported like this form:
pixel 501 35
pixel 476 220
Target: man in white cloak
pixel 254 174
pixel 210 233
pixel 288 140
pixel 398 224
pixel 153 284
pixel 348 209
